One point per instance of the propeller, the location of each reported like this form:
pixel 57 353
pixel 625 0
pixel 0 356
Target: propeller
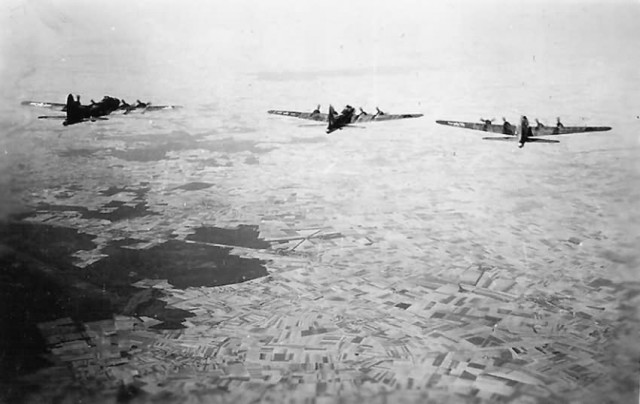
pixel 487 120
pixel 378 112
pixel 317 110
pixel 558 123
pixel 539 124
pixel 362 111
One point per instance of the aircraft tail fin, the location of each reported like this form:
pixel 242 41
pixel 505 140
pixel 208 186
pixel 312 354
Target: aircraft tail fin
pixel 70 103
pixel 74 114
pixel 332 119
pixel 71 110
pixel 332 115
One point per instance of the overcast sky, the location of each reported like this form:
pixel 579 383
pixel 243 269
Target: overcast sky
pixel 288 34
pixel 57 45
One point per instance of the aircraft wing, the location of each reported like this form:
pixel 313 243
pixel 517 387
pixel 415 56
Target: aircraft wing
pixel 383 117
pixel 493 128
pixel 42 104
pixel 312 116
pixel 515 139
pixel 148 108
pixel 566 130
pixel 127 109
pixel 159 107
pixel 536 131
pixel 61 106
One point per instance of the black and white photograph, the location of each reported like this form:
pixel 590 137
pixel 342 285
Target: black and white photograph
pixel 320 202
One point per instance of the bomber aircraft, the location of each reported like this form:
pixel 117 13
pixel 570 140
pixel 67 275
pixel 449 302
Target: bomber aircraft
pixel 77 113
pixel 523 133
pixel 347 117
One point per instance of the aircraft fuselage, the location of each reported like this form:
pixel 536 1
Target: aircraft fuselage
pixel 523 131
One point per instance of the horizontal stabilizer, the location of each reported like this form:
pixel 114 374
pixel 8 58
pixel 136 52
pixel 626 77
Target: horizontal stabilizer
pixel 533 139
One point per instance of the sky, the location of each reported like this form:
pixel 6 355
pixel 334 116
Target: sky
pixel 174 39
